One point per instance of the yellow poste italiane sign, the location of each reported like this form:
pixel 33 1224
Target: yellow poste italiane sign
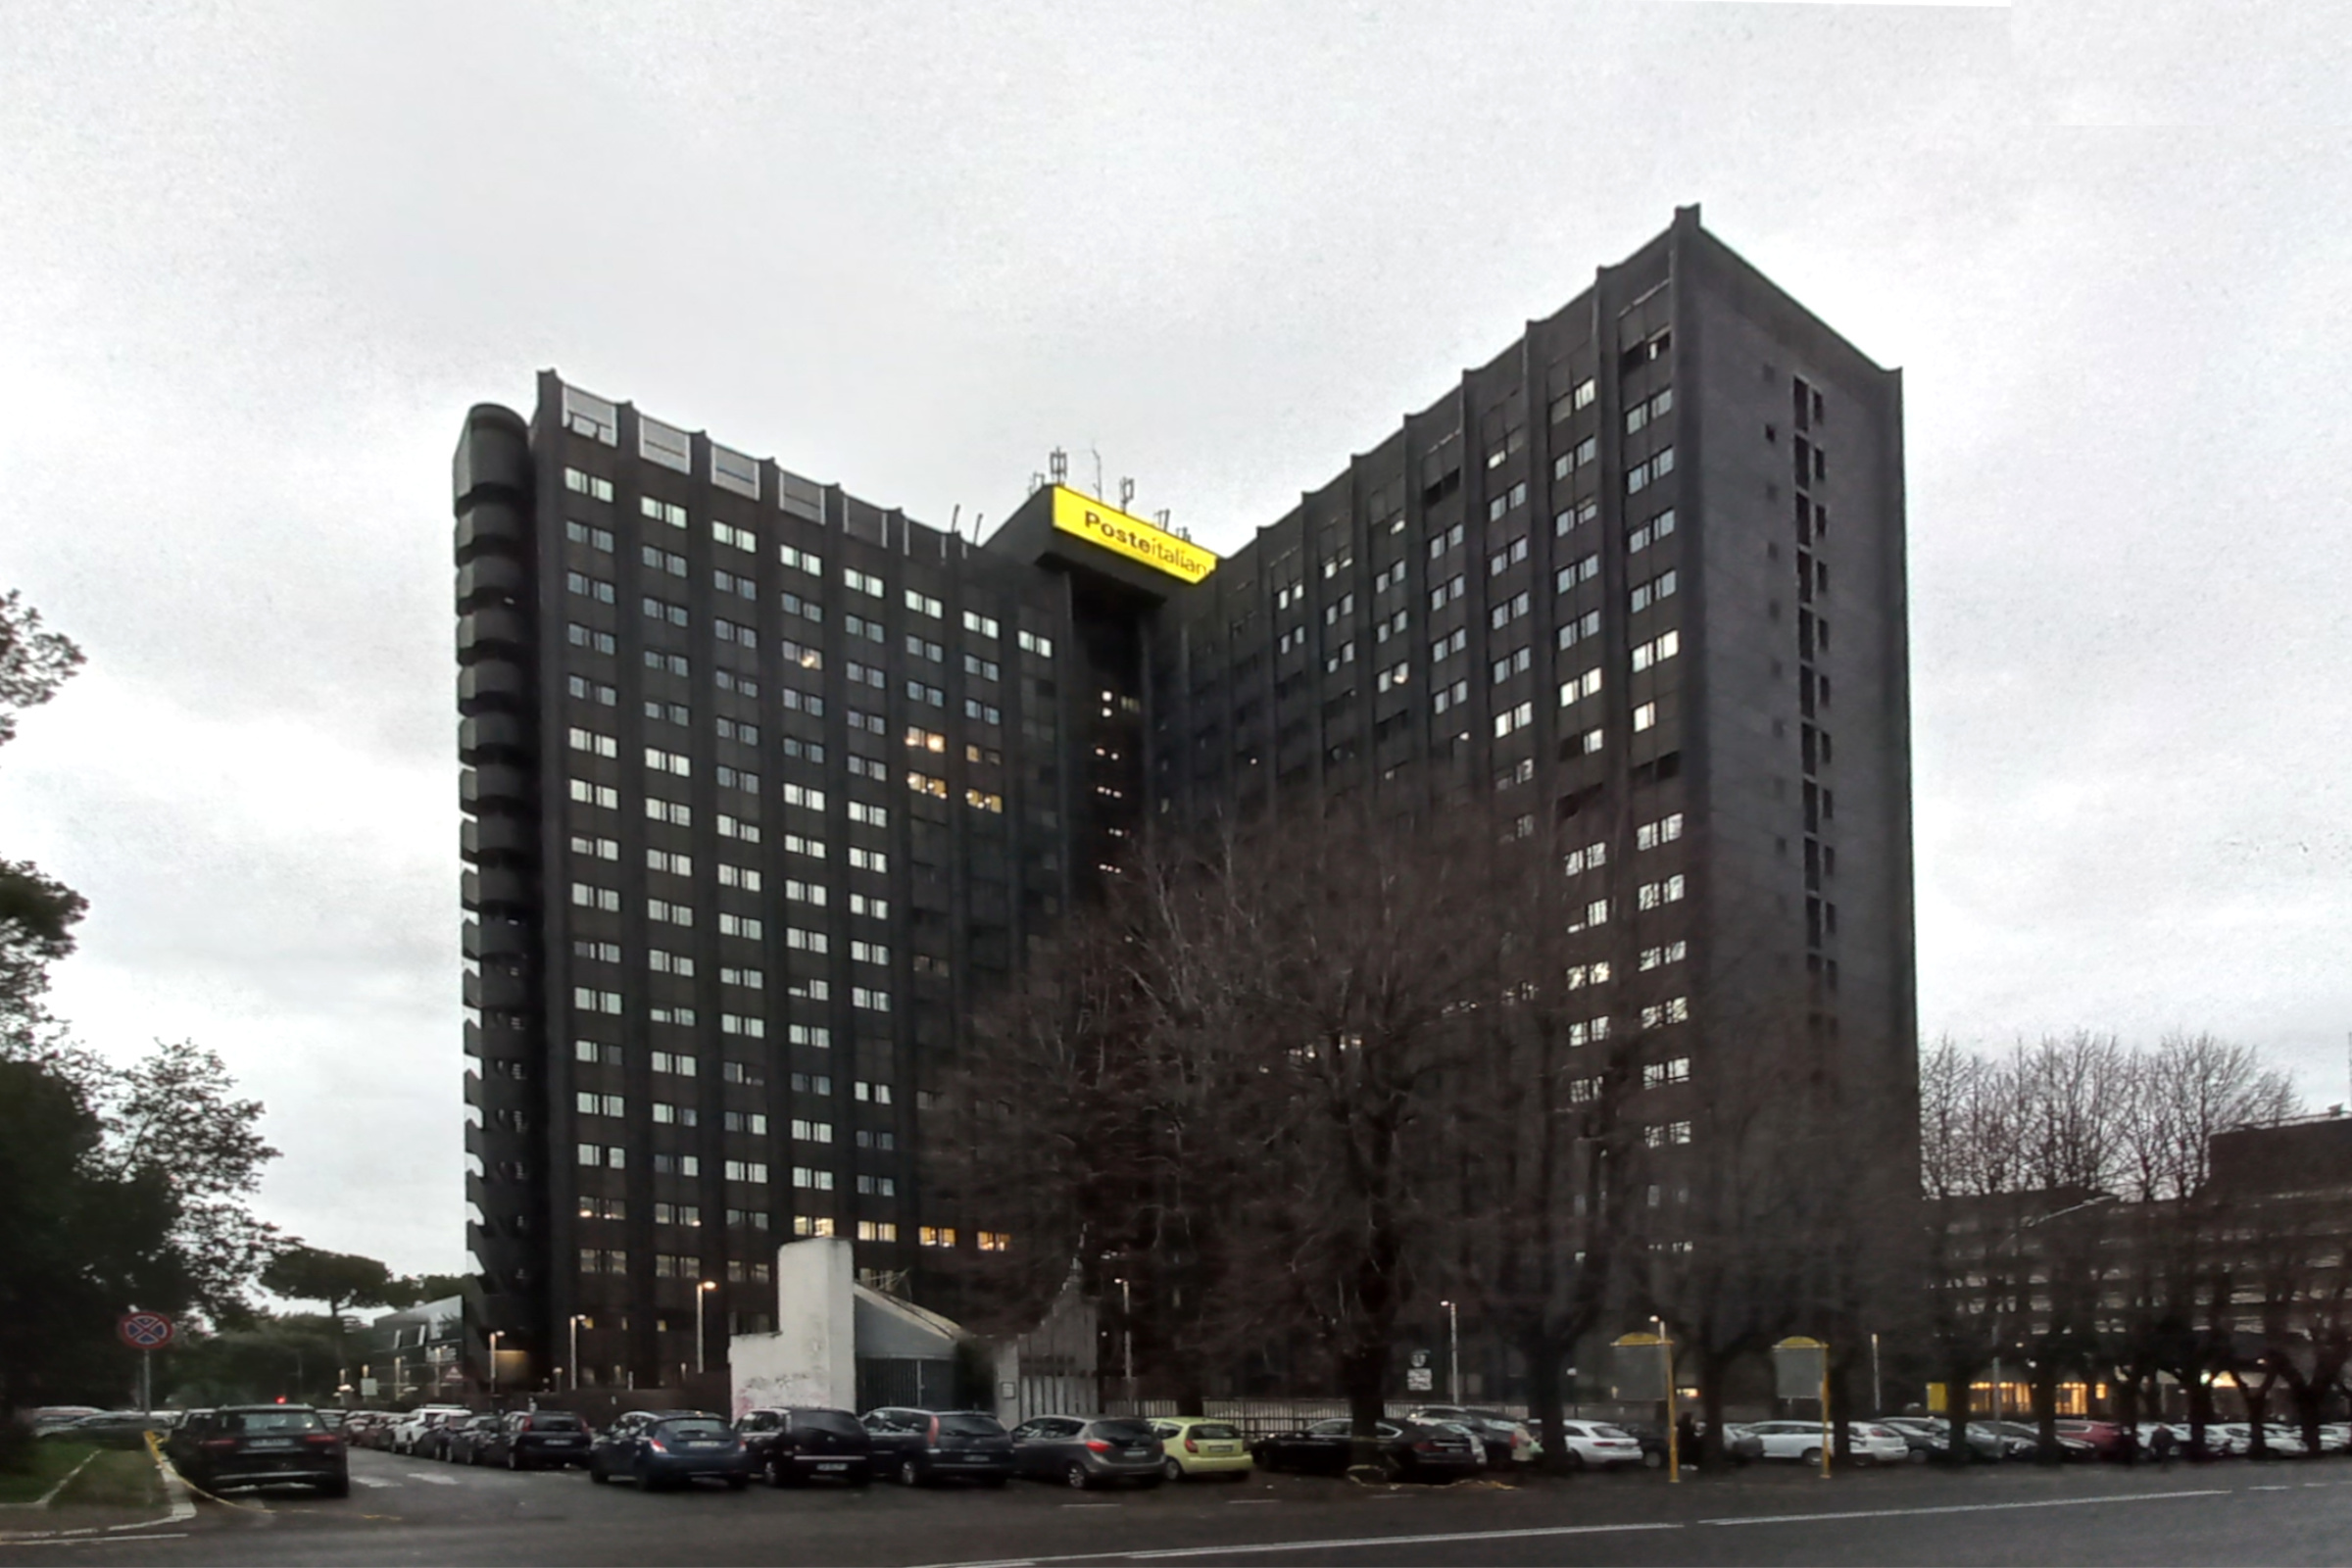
pixel 1122 535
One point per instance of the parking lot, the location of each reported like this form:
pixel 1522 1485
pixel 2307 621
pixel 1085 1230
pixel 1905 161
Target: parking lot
pixel 404 1509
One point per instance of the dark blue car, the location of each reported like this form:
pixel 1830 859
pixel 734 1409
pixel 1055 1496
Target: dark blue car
pixel 657 1449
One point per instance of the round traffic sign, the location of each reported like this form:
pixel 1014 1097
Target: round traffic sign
pixel 144 1330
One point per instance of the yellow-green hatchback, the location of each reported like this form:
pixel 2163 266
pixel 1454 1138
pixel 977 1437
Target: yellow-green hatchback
pixel 1194 1447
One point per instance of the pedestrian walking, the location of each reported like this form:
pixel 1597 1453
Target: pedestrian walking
pixel 2161 1445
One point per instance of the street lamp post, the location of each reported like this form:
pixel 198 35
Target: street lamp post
pixel 495 1336
pixel 702 1303
pixel 575 1352
pixel 1453 1353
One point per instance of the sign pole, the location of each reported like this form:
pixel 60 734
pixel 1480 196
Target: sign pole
pixel 1826 1445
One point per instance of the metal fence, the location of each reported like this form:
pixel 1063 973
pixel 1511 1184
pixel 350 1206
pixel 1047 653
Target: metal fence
pixel 1263 1416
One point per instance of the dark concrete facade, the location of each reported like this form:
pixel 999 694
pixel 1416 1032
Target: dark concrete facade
pixel 1645 565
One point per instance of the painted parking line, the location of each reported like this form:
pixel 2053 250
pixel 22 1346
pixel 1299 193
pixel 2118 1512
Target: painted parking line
pixel 430 1479
pixel 374 1481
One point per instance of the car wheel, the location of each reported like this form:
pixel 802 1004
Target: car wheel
pixel 1171 1470
pixel 337 1487
pixel 1576 1459
pixel 1076 1478
pixel 596 1473
pixel 908 1475
pixel 1651 1459
pixel 1810 1456
pixel 738 1483
pixel 862 1476
pixel 1919 1456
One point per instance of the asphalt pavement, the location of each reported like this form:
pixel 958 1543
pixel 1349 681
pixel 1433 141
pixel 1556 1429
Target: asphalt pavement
pixel 404 1511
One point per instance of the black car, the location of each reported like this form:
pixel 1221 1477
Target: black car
pixel 801 1442
pixel 1409 1450
pixel 528 1440
pixel 657 1449
pixel 260 1445
pixel 466 1435
pixel 918 1447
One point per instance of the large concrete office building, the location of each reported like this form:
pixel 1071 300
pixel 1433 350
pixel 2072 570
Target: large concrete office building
pixel 766 786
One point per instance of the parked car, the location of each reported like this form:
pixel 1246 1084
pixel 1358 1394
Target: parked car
pixel 1409 1450
pixel 49 1419
pixel 2030 1438
pixel 2282 1441
pixel 1740 1445
pixel 915 1447
pixel 259 1445
pixel 1507 1441
pixel 463 1439
pixel 413 1427
pixel 1086 1451
pixel 1926 1437
pixel 531 1439
pixel 372 1429
pixel 114 1429
pixel 2106 1438
pixel 1599 1444
pixel 797 1443
pixel 1194 1446
pixel 657 1449
pixel 1875 1443
pixel 1790 1440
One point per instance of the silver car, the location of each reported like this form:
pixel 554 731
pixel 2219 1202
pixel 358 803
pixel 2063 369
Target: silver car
pixel 1086 1452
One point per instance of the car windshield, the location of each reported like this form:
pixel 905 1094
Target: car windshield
pixel 1331 1429
pixel 697 1426
pixel 838 1422
pixel 970 1426
pixel 257 1421
pixel 555 1421
pixel 1215 1431
pixel 1122 1431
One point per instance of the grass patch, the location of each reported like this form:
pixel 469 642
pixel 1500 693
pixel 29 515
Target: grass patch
pixel 52 1463
pixel 116 1479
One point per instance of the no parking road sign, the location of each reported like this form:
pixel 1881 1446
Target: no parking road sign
pixel 144 1330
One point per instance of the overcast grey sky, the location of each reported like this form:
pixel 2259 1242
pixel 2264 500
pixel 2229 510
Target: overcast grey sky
pixel 255 262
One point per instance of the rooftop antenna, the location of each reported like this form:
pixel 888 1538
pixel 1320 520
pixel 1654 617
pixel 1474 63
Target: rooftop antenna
pixel 954 517
pixel 1057 463
pixel 1098 455
pixel 1126 495
pixel 1037 482
pixel 1161 516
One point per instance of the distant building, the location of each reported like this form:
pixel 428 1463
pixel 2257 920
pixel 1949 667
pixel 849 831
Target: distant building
pixel 417 1353
pixel 767 785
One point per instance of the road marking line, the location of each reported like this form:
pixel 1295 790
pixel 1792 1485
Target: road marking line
pixel 2270 1488
pixel 1090 1505
pixel 430 1479
pixel 374 1481
pixel 1964 1507
pixel 1170 1552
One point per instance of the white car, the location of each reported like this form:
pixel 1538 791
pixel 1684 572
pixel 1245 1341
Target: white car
pixel 2281 1440
pixel 1874 1443
pixel 1596 1445
pixel 418 1422
pixel 1790 1440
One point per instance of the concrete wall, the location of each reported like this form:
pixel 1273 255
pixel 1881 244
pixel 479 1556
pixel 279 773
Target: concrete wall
pixel 812 1356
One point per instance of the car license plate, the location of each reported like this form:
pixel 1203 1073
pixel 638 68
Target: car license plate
pixel 833 1464
pixel 564 1442
pixel 269 1442
pixel 1220 1448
